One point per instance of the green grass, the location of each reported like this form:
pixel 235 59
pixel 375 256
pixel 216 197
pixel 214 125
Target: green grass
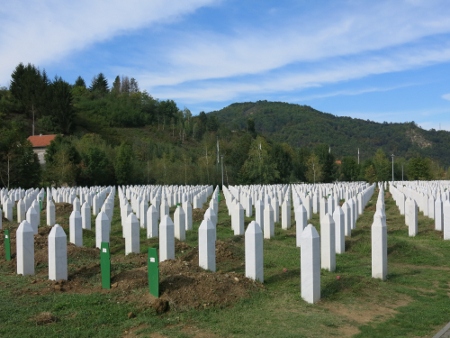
pixel 412 302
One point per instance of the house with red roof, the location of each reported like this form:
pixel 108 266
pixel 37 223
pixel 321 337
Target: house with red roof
pixel 40 144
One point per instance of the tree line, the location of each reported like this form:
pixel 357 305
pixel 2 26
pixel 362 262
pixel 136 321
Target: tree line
pixel 119 134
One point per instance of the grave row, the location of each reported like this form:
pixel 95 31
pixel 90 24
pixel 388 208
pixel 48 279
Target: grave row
pixel 148 207
pixel 431 198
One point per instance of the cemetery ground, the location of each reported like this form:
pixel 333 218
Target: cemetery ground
pixel 414 301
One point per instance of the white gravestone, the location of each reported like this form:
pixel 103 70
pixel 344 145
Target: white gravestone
pixel 339 221
pixel 50 213
pixel 254 262
pixel 25 249
pixel 310 265
pixel 76 204
pixel 438 214
pixel 379 247
pixel 187 207
pixel 328 243
pixel 301 216
pixel 57 254
pixel 411 209
pixel 286 214
pixel 259 213
pixel 8 209
pixel 75 228
pixel 276 210
pixel 179 219
pixel 237 219
pixel 102 229
pixel 33 219
pixel 269 227
pixel 207 246
pixel 347 219
pixel 446 223
pixel 86 216
pixel 249 206
pixel 132 240
pixel 152 222
pixel 21 212
pixel 143 213
pixel 166 239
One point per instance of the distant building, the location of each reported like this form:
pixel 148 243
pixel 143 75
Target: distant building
pixel 40 144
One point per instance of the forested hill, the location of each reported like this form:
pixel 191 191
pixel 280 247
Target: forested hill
pixel 303 126
pixel 119 135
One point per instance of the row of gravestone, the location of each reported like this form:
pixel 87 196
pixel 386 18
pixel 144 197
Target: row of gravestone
pixel 432 198
pixel 318 252
pixel 333 229
pixel 57 249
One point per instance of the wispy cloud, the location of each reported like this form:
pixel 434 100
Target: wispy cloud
pixel 290 80
pixel 45 31
pixel 353 92
pixel 212 52
pixel 352 29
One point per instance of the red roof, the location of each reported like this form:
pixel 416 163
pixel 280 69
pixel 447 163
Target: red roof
pixel 41 140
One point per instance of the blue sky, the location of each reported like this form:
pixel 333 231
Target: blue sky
pixel 379 60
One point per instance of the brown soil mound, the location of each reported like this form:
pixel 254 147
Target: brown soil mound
pixel 197 215
pixel 183 284
pixel 44 318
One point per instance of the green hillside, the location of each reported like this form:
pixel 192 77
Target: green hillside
pixel 118 134
pixel 303 126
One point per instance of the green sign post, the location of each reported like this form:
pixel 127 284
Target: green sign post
pixel 153 272
pixel 7 245
pixel 105 264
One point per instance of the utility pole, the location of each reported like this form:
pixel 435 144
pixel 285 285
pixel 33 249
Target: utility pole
pixel 314 171
pixel 221 156
pixel 392 167
pixel 358 156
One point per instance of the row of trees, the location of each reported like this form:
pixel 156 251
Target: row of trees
pixel 240 159
pixel 103 145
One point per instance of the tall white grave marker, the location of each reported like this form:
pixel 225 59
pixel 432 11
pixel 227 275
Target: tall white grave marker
pixel 207 246
pixel 25 249
pixel 310 265
pixel 254 262
pixel 57 254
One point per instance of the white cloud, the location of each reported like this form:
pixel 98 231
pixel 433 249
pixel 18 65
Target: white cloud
pixel 354 28
pixel 446 96
pixel 45 31
pixel 353 92
pixel 289 81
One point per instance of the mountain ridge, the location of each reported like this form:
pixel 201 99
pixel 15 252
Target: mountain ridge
pixel 304 126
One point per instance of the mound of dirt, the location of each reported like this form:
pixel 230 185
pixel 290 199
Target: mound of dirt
pixel 44 318
pixel 197 215
pixel 183 284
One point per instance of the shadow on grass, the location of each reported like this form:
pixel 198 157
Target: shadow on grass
pixel 86 272
pixel 283 276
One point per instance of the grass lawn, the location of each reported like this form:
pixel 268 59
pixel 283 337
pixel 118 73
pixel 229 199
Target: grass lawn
pixel 414 301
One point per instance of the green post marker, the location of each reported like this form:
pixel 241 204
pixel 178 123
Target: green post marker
pixel 7 245
pixel 105 264
pixel 153 272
